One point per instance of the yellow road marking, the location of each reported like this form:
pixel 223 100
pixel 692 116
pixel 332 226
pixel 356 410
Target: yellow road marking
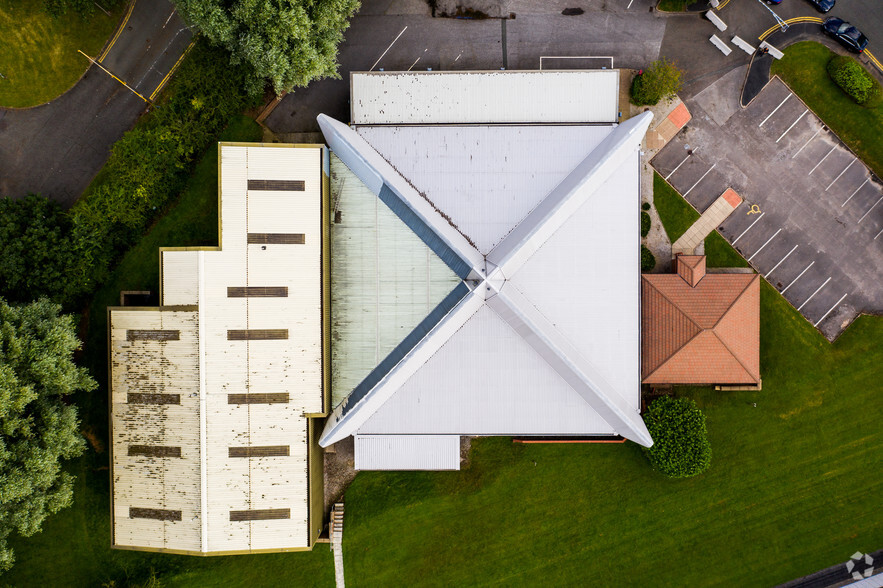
pixel 104 69
pixel 790 21
pixel 874 60
pixel 722 4
pixel 119 31
pixel 755 209
pixel 171 71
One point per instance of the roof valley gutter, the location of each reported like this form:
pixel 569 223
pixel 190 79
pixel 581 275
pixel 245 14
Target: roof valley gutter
pixel 203 499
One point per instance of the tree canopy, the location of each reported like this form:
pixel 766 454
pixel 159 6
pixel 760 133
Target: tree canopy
pixel 680 440
pixel 38 428
pixel 288 42
pixel 661 80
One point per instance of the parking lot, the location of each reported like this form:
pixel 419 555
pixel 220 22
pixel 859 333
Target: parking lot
pixel 812 219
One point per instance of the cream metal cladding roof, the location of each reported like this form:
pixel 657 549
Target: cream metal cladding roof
pixel 534 97
pixel 246 364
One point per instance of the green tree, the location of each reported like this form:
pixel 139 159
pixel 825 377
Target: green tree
pixel 288 42
pixel 38 427
pixel 35 250
pixel 680 440
pixel 853 78
pixel 661 80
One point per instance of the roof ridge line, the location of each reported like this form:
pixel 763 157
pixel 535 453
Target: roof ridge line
pixel 736 357
pixel 683 314
pixel 735 300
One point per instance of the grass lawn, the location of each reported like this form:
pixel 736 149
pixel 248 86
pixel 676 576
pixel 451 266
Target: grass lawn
pixel 794 487
pixel 77 540
pixel 672 5
pixel 860 127
pixel 38 54
pixel 677 215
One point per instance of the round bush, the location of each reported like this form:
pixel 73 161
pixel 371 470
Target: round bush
pixel 661 80
pixel 648 261
pixel 645 224
pixel 853 78
pixel 645 206
pixel 680 440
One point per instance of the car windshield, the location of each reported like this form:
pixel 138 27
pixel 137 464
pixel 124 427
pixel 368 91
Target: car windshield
pixel 848 30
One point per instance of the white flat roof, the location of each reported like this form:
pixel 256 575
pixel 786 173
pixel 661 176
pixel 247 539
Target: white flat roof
pixel 405 98
pixel 246 366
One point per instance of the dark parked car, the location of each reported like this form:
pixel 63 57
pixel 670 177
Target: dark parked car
pixel 822 6
pixel 846 34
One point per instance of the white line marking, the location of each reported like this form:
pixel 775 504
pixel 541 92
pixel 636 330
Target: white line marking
pixel 387 49
pixel 813 294
pixel 823 159
pixel 764 245
pixel 171 14
pixel 780 262
pixel 824 316
pixel 774 111
pixel 878 234
pixel 807 143
pixel 749 227
pixel 415 63
pixel 458 56
pixel 870 209
pixel 679 165
pixel 797 278
pixel 630 5
pixel 856 192
pixel 699 180
pixel 792 125
pixel 840 174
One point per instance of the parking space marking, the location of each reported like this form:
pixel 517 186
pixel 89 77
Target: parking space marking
pixel 816 134
pixel 749 228
pixel 823 159
pixel 824 316
pixel 870 209
pixel 792 125
pixel 769 273
pixel 774 110
pixel 856 192
pixel 841 173
pixel 699 180
pixel 671 173
pixel 765 244
pixel 878 234
pixel 825 283
pixel 797 278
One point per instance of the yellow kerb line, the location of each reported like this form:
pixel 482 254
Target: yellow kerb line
pixel 104 69
pixel 874 60
pixel 790 21
pixel 722 4
pixel 174 67
pixel 118 33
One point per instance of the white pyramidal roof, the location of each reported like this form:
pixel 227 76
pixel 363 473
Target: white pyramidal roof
pixel 542 336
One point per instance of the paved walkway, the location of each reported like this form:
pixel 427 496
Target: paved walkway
pixel 712 218
pixel 337 543
pixel 57 148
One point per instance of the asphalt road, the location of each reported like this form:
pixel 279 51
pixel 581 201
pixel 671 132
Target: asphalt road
pixel 627 31
pixel 57 148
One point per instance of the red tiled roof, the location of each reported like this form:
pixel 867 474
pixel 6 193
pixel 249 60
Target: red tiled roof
pixel 704 334
pixel 691 268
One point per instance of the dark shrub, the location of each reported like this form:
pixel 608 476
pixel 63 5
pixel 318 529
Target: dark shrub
pixel 661 80
pixel 853 78
pixel 680 439
pixel 645 223
pixel 648 261
pixel 645 206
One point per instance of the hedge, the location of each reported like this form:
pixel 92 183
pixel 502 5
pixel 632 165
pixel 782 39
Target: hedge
pixel 149 164
pixel 645 223
pixel 853 78
pixel 648 260
pixel 680 438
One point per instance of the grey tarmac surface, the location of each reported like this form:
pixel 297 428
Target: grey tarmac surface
pixel 632 36
pixel 57 148
pixel 817 230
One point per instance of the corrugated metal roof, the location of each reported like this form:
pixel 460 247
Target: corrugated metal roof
pixel 589 96
pixel 407 452
pixel 485 178
pixel 386 280
pixel 220 366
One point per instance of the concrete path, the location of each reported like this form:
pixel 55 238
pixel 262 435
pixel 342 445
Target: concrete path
pixel 57 148
pixel 337 543
pixel 713 217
